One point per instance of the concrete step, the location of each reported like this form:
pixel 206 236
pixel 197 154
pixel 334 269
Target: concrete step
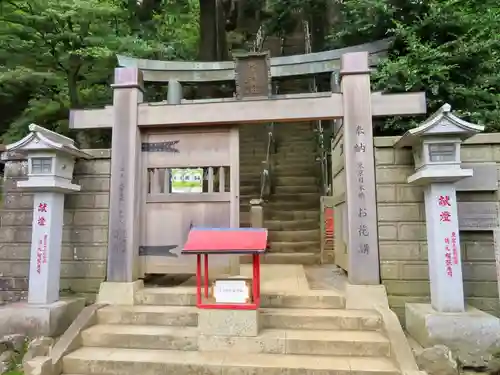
pixel 177 316
pixel 274 225
pixel 115 361
pixel 295 246
pixel 297 236
pixel 321 319
pixel 285 258
pixel 185 296
pixel 277 341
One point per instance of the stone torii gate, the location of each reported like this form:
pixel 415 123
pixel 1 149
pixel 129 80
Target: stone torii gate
pixel 129 117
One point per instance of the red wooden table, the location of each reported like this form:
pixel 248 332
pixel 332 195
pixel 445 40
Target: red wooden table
pixel 224 241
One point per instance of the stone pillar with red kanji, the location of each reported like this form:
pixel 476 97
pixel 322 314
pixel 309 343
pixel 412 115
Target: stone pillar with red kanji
pixel 46 240
pixel 443 239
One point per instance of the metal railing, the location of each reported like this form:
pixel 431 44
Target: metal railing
pixel 266 188
pixel 323 151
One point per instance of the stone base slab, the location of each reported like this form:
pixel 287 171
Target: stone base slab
pixel 229 322
pixel 471 335
pixel 114 293
pixel 40 320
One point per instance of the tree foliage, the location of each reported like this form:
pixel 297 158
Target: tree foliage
pixel 448 48
pixel 60 54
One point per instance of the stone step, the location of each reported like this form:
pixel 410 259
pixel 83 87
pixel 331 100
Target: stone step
pixel 141 337
pixel 309 146
pixel 177 316
pixel 254 180
pixel 291 215
pixel 290 181
pixel 292 206
pixel 289 171
pixel 279 168
pixel 272 318
pixel 115 361
pixel 285 258
pixel 277 160
pixel 278 190
pixel 271 341
pixel 185 296
pixel 281 206
pixel 291 224
pixel 321 319
pixel 311 198
pixel 295 247
pixel 297 197
pixel 297 236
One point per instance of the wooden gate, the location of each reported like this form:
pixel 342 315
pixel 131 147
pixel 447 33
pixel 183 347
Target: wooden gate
pixel 190 179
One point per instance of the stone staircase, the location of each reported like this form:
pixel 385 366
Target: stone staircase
pixel 292 212
pixel 303 332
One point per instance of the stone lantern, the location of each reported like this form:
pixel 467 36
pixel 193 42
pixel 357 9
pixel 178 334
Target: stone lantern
pixel 51 160
pixel 436 150
pixel 469 332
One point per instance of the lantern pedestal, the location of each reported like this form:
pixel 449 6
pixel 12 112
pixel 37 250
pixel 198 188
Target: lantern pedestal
pixel 469 334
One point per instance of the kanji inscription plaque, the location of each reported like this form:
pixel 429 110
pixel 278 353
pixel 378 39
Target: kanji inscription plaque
pixel 253 75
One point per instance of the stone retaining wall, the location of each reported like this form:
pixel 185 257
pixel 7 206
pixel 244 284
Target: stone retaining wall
pixel 402 239
pixel 85 231
pixel 402 233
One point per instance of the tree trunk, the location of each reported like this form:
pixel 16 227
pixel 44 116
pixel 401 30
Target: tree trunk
pixel 208 37
pixel 212 46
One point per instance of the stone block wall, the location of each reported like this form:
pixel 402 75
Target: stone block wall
pixel 85 231
pixel 402 233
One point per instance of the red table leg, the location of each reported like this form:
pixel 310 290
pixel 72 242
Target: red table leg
pixel 206 275
pixel 198 279
pixel 257 269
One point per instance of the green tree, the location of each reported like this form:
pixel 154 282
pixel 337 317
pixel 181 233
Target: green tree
pixel 60 54
pixel 448 48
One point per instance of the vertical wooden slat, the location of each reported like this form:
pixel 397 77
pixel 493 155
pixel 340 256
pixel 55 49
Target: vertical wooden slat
pixel 167 181
pixel 150 180
pixel 155 186
pixel 222 179
pixel 210 179
pixel 234 175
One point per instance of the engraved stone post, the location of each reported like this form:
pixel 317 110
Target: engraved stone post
pixel 124 199
pixel 360 170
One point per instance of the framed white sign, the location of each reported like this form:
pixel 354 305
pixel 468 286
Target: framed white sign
pixel 232 291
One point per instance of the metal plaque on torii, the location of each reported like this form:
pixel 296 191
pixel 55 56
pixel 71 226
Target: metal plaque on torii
pixel 253 75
